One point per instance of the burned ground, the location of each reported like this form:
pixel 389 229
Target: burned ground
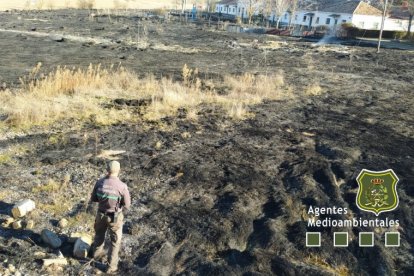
pixel 228 197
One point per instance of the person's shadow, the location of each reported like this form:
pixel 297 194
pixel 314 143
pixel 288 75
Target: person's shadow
pixel 5 208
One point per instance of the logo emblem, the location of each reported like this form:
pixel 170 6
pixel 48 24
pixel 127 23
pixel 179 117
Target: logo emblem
pixel 377 191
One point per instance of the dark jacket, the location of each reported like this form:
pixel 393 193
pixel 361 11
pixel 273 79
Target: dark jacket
pixel 112 195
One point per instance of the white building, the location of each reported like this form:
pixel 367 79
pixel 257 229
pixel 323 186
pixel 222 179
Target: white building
pixel 236 7
pixel 360 14
pixel 227 7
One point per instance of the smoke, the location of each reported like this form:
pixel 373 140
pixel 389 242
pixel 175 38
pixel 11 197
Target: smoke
pixel 327 39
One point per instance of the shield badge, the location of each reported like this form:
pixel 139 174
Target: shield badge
pixel 377 191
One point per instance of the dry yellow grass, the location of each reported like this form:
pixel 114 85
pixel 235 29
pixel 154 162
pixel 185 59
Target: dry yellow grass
pixel 3 195
pixel 87 94
pixel 65 93
pixel 253 89
pixel 49 187
pixel 86 4
pixel 98 4
pixel 5 159
pixel 313 89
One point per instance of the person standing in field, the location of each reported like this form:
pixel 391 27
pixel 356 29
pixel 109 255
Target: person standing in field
pixel 113 197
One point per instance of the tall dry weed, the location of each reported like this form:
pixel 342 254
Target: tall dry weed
pixel 86 4
pixel 252 89
pixel 86 94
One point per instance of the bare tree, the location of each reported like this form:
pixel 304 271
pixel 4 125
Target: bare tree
pixel 293 6
pixel 279 8
pixel 267 7
pixel 251 7
pixel 209 5
pixel 183 5
pixel 407 5
pixel 384 15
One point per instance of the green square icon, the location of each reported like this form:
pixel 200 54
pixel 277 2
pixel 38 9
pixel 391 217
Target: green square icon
pixel 340 239
pixel 392 239
pixel 313 239
pixel 366 239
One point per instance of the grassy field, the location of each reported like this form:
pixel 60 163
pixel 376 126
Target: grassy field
pixel 101 4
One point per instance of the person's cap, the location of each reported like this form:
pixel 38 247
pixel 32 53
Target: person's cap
pixel 113 167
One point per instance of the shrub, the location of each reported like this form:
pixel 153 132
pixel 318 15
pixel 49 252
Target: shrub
pixel 159 12
pixel 5 159
pixel 120 5
pixel 313 89
pixel 40 4
pixel 409 36
pixel 399 34
pixel 50 5
pixel 86 4
pixel 322 28
pixel 350 30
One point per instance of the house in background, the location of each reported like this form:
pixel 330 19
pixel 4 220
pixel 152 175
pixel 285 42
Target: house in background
pixel 235 8
pixel 402 16
pixel 227 7
pixel 332 16
pixel 358 13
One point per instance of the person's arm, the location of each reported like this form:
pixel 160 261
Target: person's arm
pixel 126 198
pixel 94 197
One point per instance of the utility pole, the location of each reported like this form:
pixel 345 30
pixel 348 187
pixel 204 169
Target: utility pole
pixel 382 25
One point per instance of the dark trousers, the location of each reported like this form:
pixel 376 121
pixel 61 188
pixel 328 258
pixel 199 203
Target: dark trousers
pixel 102 225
